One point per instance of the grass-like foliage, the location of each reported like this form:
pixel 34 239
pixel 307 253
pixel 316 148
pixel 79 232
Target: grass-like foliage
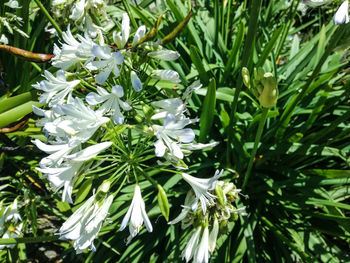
pixel 269 83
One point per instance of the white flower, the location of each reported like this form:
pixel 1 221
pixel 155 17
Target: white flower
pixel 170 130
pixel 111 101
pixel 170 75
pixel 85 223
pixel 213 236
pixel 164 54
pixel 183 216
pixel 57 152
pixel 173 106
pixel 342 15
pixel 72 51
pixel 202 254
pixel 14 232
pixel 56 89
pixel 201 187
pixel 10 227
pixel 108 62
pixel 136 215
pixel 66 174
pixel 122 37
pixel 11 213
pixel 78 10
pixel 80 121
pixel 4 40
pixel 192 245
pixel 140 32
pixel 12 4
pixel 135 82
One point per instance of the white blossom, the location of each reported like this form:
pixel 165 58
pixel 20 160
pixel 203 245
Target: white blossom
pixel 108 62
pixel 135 82
pixel 111 102
pixel 164 54
pixel 136 215
pixel 56 89
pixel 166 74
pixel 173 106
pixel 201 188
pixel 72 51
pixel 80 121
pixel 192 244
pixel 85 223
pixel 342 14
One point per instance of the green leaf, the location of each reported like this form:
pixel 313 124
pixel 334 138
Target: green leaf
pixel 207 116
pixel 84 190
pixel 198 63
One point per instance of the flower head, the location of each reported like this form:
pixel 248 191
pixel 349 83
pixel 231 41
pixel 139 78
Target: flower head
pixel 136 215
pixel 201 188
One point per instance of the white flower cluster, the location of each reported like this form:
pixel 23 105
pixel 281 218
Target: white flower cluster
pixel 77 122
pixel 10 222
pixel 201 242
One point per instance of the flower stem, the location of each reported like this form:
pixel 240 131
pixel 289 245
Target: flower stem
pixel 46 13
pixel 256 143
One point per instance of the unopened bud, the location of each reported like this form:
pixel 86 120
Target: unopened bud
pixel 163 202
pixel 220 195
pixel 246 77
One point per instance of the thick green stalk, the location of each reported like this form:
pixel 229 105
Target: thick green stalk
pixel 46 13
pixel 256 144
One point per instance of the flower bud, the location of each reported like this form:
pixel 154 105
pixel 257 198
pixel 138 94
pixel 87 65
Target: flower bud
pixel 246 77
pixel 265 88
pixel 213 235
pixel 163 202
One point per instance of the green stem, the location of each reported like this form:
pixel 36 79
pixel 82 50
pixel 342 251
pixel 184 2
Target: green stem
pixel 7 241
pixel 46 13
pixel 256 143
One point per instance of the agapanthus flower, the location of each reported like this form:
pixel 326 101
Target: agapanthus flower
pixel 166 74
pixel 85 223
pixel 136 215
pixel 342 14
pixel 56 89
pixel 111 102
pixel 72 51
pixel 201 188
pixel 192 244
pixel 135 82
pixel 164 54
pixel 80 121
pixel 109 62
pixel 10 225
pixel 173 106
pixel 170 131
pixel 65 174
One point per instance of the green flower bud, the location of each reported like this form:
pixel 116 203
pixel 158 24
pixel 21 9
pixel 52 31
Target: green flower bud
pixel 265 88
pixel 246 77
pixel 163 202
pixel 269 95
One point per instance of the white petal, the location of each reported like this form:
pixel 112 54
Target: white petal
pixel 164 54
pixel 102 52
pixel 125 29
pixel 140 32
pixel 136 82
pixel 89 152
pixel 118 91
pixel 159 148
